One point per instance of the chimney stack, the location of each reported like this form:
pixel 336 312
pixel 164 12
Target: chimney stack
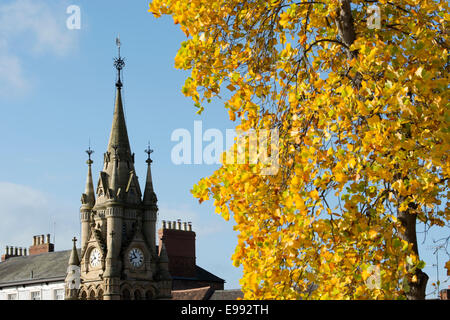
pixel 40 245
pixel 11 252
pixel 180 246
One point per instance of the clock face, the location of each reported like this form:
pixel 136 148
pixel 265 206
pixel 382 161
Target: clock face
pixel 94 258
pixel 136 257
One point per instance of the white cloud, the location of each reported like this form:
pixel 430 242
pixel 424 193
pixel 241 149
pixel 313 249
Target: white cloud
pixel 12 79
pixel 25 212
pixel 34 27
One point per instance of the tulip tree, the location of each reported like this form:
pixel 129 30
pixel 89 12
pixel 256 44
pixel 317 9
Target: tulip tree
pixel 357 92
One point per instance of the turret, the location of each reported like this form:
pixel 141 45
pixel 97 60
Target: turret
pixel 87 201
pixel 73 281
pixel 150 207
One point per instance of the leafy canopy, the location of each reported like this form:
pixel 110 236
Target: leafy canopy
pixel 362 115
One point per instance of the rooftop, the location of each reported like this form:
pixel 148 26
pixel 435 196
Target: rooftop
pixel 49 266
pixel 52 266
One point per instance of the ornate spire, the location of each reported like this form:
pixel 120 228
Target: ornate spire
pixel 88 198
pixel 118 165
pixel 119 134
pixel 74 260
pixel 149 194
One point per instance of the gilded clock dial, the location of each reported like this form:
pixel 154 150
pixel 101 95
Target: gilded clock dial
pixel 94 258
pixel 136 257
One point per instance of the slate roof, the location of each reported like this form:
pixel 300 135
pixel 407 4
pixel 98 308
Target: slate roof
pixel 192 294
pixel 201 275
pixel 49 266
pixel 206 293
pixel 232 294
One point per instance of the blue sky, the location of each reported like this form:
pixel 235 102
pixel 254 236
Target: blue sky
pixel 57 92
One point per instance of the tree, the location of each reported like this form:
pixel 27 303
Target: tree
pixel 357 92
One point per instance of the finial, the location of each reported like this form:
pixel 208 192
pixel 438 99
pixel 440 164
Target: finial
pixel 74 240
pixel 119 63
pixel 89 151
pixel 148 151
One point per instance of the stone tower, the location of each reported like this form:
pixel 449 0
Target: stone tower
pixel 118 257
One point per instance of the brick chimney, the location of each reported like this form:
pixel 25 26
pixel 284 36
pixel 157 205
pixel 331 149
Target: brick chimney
pixel 40 245
pixel 179 240
pixel 11 252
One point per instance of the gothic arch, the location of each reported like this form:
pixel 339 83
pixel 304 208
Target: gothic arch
pixel 100 294
pixel 138 294
pixel 92 294
pixel 150 293
pixel 125 294
pixel 83 295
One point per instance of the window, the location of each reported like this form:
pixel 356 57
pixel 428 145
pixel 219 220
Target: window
pixel 59 294
pixel 36 295
pixel 12 296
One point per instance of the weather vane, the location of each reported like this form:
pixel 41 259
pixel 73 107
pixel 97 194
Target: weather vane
pixel 89 152
pixel 148 151
pixel 119 63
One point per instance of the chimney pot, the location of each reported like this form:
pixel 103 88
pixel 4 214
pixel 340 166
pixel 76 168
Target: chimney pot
pixel 164 224
pixel 48 238
pixel 34 240
pixel 16 251
pixel 190 226
pixel 169 224
pixel 24 251
pixel 174 224
pixel 20 251
pixel 179 224
pixel 42 239
pixel 185 226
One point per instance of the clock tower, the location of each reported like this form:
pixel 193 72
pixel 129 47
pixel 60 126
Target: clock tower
pixel 119 258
